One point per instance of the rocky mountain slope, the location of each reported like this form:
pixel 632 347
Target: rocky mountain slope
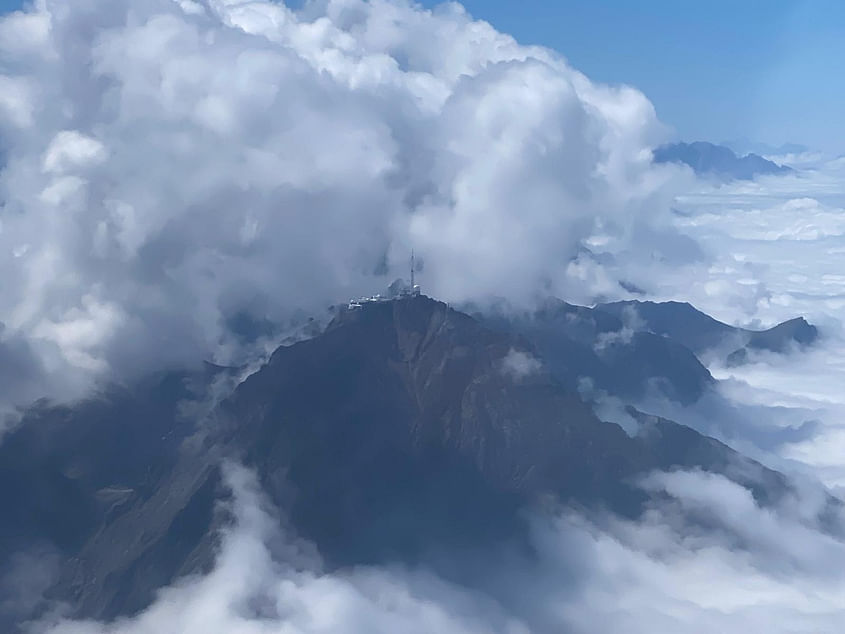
pixel 615 354
pixel 404 430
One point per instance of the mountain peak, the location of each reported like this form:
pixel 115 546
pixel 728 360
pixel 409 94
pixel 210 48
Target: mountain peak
pixel 405 427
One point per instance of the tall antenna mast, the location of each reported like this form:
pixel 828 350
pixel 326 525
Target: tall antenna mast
pixel 412 270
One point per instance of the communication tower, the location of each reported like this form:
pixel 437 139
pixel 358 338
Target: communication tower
pixel 415 288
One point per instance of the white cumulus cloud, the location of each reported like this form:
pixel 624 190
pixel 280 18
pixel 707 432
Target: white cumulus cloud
pixel 171 164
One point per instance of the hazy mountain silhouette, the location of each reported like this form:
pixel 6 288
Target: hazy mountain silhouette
pixel 708 159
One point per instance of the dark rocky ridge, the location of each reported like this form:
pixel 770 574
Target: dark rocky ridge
pixel 700 333
pixel 579 343
pixel 397 433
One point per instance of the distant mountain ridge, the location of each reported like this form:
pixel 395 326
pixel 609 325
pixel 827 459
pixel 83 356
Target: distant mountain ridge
pixel 683 323
pixel 709 159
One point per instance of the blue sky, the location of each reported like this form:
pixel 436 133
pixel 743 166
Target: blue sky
pixel 722 69
pixel 768 70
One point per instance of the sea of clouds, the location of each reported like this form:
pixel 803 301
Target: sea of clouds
pixel 170 165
